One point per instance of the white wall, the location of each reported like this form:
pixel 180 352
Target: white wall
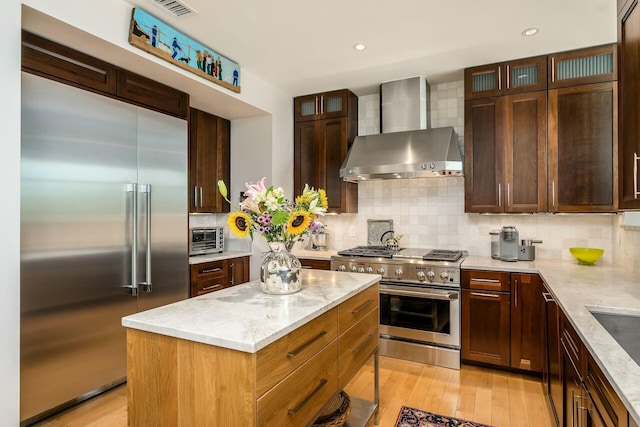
pixel 10 217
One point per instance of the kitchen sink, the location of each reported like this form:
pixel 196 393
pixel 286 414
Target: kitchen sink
pixel 624 328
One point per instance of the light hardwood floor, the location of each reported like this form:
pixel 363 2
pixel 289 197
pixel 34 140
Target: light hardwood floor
pixel 488 396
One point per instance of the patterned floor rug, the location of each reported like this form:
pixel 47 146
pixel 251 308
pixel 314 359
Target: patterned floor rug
pixel 411 417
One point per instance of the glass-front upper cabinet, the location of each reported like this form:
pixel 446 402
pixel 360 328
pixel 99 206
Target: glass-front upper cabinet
pixel 321 106
pixel 583 66
pixel 519 76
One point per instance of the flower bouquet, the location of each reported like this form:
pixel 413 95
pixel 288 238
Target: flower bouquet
pixel 266 211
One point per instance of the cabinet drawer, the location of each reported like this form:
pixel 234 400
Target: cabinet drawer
pixel 206 286
pixel 318 264
pixel 356 308
pixel 356 345
pixel 572 346
pixel 486 280
pixel 208 271
pixel 604 396
pixel 280 358
pixel 295 400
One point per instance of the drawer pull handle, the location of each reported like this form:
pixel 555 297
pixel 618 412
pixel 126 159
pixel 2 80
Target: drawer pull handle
pixel 206 288
pixel 478 294
pixel 364 343
pixel 211 270
pixel 308 398
pixel 485 280
pixel 298 350
pixel 362 307
pixel 547 297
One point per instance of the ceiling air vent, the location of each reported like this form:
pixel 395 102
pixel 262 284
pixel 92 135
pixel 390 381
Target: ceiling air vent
pixel 177 8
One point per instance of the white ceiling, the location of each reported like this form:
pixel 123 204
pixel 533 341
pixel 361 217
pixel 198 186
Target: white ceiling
pixel 304 46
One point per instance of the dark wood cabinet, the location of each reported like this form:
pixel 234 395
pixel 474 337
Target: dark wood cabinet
pixel 506 78
pixel 526 322
pixel 552 367
pixel 317 264
pixel 323 105
pixel 629 104
pixel 583 66
pixel 502 319
pixel 320 147
pixel 486 317
pixel 583 148
pixel 209 160
pixel 60 63
pixel 215 275
pixel 506 154
pixel 146 92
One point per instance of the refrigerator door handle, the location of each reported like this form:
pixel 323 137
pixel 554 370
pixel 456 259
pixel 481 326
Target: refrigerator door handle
pixel 146 190
pixel 132 288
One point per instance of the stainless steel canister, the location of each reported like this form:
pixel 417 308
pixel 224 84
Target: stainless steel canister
pixel 495 244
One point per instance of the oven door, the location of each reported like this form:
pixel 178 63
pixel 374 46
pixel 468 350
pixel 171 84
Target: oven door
pixel 420 314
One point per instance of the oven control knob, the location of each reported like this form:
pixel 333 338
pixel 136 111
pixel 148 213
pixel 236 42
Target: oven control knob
pixel 421 276
pixel 444 276
pixel 369 270
pixel 353 269
pixel 342 268
pixel 431 275
pixel 381 271
pixel 399 272
pixel 361 270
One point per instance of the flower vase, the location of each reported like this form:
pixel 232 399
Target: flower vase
pixel 280 272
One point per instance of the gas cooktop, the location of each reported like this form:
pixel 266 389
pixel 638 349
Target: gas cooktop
pixel 404 253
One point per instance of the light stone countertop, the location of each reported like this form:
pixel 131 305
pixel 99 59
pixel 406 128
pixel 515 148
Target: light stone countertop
pixel 199 259
pixel 575 287
pixel 244 318
pixel 311 254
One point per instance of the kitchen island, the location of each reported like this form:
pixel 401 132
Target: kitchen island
pixel 239 357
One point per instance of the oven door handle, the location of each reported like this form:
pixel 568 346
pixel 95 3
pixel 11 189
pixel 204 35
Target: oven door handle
pixel 447 296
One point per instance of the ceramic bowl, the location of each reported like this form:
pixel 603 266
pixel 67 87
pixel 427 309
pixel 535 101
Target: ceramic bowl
pixel 586 256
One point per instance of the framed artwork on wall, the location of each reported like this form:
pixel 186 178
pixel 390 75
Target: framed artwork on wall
pixel 154 36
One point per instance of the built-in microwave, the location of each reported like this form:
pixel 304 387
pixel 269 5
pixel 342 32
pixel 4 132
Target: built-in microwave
pixel 207 240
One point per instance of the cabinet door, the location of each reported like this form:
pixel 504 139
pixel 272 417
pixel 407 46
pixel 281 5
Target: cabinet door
pixel 526 322
pixel 334 104
pixel 583 66
pixel 629 81
pixel 483 82
pixel 238 269
pixel 583 148
pixel 306 108
pixel 149 93
pixel 553 356
pixel 484 155
pixel 485 327
pixel 525 178
pixel 572 392
pixel 209 159
pixel 309 148
pixel 525 75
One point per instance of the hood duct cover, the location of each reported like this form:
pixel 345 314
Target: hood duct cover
pixel 409 154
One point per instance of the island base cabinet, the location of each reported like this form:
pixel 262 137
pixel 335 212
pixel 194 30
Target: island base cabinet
pixel 168 386
pixel 301 395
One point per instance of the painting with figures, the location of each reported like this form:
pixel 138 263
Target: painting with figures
pixel 154 36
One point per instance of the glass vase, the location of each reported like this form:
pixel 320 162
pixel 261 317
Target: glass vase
pixel 281 271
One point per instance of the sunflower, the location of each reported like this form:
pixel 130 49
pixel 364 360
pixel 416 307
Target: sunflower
pixel 239 223
pixel 298 222
pixel 324 203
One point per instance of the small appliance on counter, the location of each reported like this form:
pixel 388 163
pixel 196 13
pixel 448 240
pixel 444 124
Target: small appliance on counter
pixel 319 241
pixel 509 238
pixel 526 250
pixel 495 244
pixel 203 241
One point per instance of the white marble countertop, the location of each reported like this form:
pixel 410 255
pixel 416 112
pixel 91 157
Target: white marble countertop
pixel 244 318
pixel 311 254
pixel 199 259
pixel 576 288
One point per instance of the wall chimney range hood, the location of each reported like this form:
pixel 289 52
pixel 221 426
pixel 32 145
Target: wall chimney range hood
pixel 407 148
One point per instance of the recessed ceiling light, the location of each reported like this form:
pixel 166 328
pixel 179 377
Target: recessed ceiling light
pixel 359 46
pixel 530 32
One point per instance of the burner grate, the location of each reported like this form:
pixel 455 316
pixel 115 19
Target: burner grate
pixel 442 255
pixel 369 251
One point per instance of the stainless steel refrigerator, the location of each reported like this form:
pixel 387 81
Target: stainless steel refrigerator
pixel 103 235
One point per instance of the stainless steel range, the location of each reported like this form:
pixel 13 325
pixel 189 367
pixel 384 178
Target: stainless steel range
pixel 419 300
